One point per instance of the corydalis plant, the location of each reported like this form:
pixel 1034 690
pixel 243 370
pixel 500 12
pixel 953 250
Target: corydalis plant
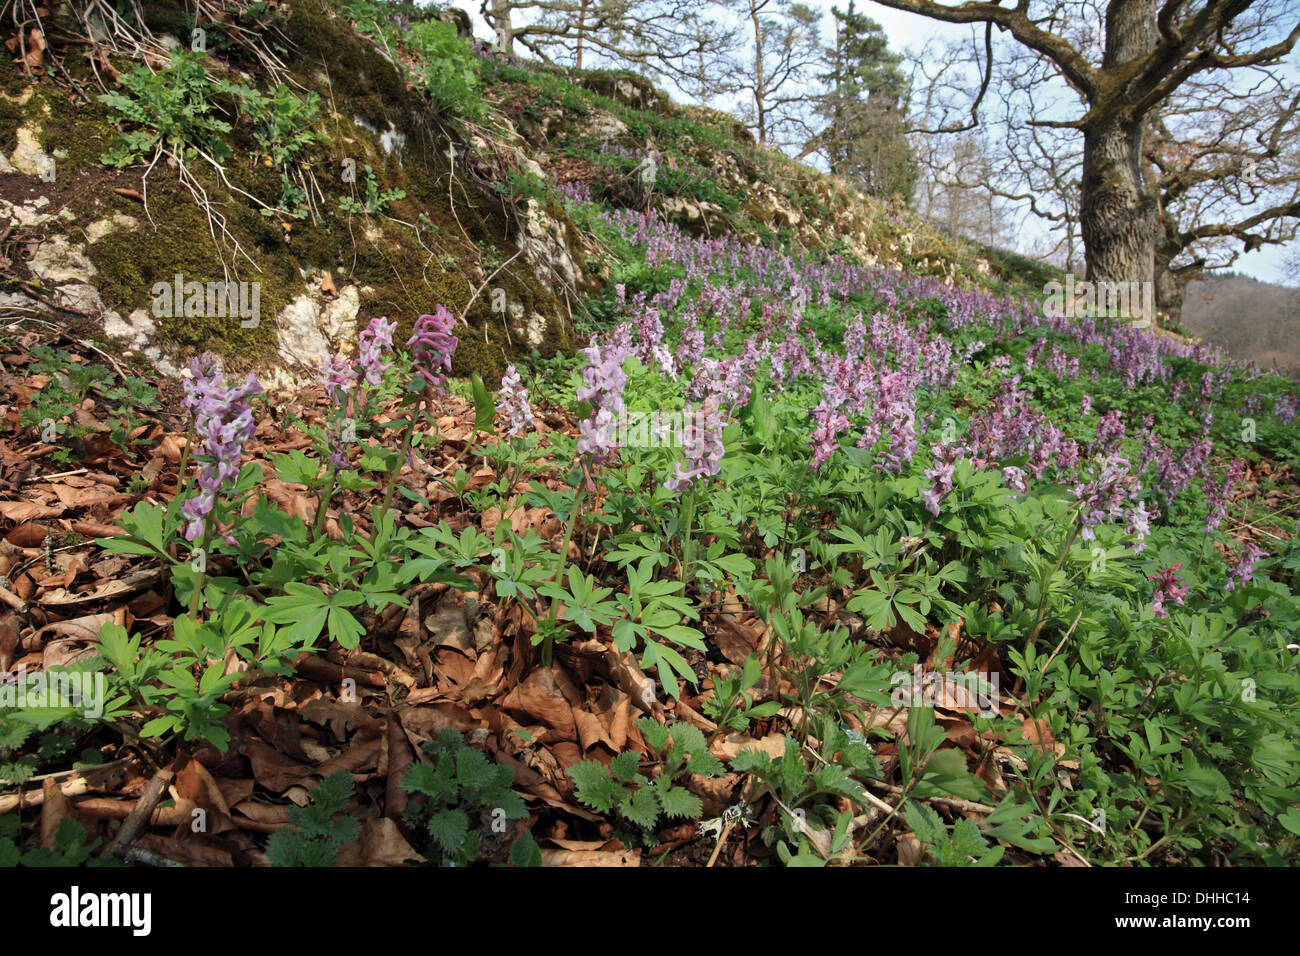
pixel 603 381
pixel 432 347
pixel 702 448
pixel 1168 587
pixel 223 421
pixel 702 451
pixel 1244 570
pixel 602 387
pixel 514 402
pixel 344 382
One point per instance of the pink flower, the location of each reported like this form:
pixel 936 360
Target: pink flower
pixel 433 346
pixel 1168 587
pixel 1251 555
pixel 514 402
pixel 701 447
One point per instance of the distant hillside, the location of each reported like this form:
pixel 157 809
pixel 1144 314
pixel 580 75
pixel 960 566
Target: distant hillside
pixel 1250 319
pixel 411 169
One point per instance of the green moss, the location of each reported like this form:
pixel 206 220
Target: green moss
pixel 426 251
pixel 169 16
pixel 131 261
pixel 80 131
pixel 360 80
pixel 403 283
pixel 613 84
pixel 11 117
pixel 474 354
pixel 12 81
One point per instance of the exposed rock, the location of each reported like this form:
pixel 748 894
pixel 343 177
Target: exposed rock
pixel 544 243
pixel 134 332
pixel 58 259
pixel 308 331
pixel 629 88
pixel 28 157
pixel 604 125
pixel 80 297
pixel 100 228
pixel 26 214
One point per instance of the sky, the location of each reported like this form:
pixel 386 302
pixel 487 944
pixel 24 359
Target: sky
pixel 911 31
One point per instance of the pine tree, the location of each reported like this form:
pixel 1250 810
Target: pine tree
pixel 864 109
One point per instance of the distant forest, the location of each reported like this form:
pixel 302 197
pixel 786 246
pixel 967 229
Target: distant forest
pixel 1248 318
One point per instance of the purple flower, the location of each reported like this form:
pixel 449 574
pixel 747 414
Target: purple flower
pixel 1244 570
pixel 223 421
pixel 1139 525
pixel 1168 587
pixel 1014 478
pixel 1218 494
pixel 373 342
pixel 433 345
pixel 940 473
pixel 830 425
pixel 1287 408
pixel 1110 433
pixel 602 387
pixel 514 402
pixel 1104 496
pixel 702 448
pixel 337 375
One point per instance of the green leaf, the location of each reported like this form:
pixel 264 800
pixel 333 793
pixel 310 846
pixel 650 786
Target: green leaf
pixel 680 802
pixel 594 786
pixel 448 829
pixel 624 767
pixel 473 769
pixel 344 628
pixel 642 808
pixel 751 759
pixel 484 409
pixel 1291 820
pixel 525 851
pixel 656 734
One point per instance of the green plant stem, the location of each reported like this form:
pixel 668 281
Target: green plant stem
pixel 182 483
pixel 553 616
pixel 318 526
pixel 792 499
pixel 407 432
pixel 1041 618
pixel 199 575
pixel 686 534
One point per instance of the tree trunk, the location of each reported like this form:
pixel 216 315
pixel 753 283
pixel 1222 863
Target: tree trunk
pixel 1169 286
pixel 1118 212
pixel 582 29
pixel 759 97
pixel 503 27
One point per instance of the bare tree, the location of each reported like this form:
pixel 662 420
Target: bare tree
pixel 674 39
pixel 777 85
pixel 1227 170
pixel 1120 64
pixel 959 170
